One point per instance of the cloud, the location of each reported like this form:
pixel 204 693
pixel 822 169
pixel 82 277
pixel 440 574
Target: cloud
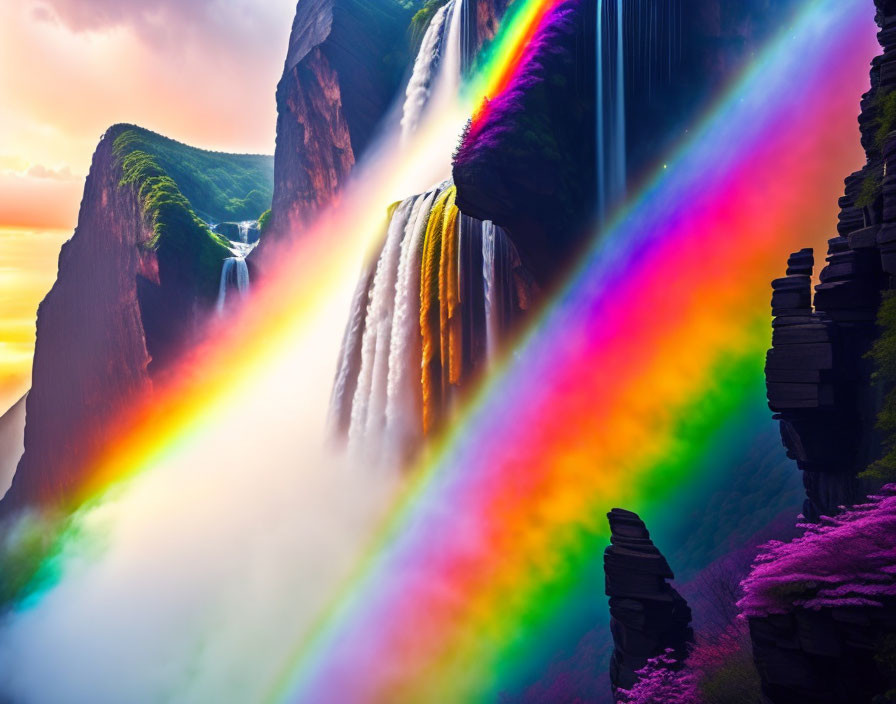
pixel 169 21
pixel 62 174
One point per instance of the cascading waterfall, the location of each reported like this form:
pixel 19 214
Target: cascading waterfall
pixel 426 315
pixel 234 275
pixel 437 67
pixel 368 405
pixel 612 171
pixel 424 74
pixel 235 270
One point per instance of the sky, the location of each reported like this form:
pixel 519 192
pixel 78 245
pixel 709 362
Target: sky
pixel 201 71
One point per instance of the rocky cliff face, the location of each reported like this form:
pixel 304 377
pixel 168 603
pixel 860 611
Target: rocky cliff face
pixel 343 70
pixel 91 355
pixel 821 386
pixel 135 284
pixel 818 374
pixel 528 163
pixel 647 615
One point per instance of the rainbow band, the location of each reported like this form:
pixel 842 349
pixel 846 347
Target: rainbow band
pixel 619 394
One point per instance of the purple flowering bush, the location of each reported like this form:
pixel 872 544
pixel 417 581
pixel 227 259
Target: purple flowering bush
pixel 845 561
pixel 662 681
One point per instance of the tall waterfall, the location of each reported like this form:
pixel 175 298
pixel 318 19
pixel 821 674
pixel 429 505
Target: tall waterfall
pixel 437 67
pixel 612 171
pixel 234 276
pixel 430 311
pixel 427 315
pixel 235 270
pixel 423 76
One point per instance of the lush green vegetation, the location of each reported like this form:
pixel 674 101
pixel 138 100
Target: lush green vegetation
pixel 182 187
pixel 219 187
pixel 884 355
pixel 870 191
pixel 264 220
pixel 421 19
pixel 886 118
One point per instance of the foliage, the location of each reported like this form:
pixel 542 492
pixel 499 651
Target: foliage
pixel 421 19
pixel 662 681
pixel 717 671
pixel 183 242
pixel 26 543
pixel 724 668
pixel 848 560
pixel 886 118
pixel 219 187
pixel 884 355
pixel 264 220
pixel 870 191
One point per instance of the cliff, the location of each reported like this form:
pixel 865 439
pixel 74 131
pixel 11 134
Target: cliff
pixel 343 69
pixel 12 442
pixel 821 380
pixel 135 282
pixel 648 618
pixel 820 607
pixel 527 162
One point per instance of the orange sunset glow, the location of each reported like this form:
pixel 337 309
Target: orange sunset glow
pixel 199 71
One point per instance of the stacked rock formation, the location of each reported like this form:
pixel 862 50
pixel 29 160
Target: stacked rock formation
pixel 818 375
pixel 647 615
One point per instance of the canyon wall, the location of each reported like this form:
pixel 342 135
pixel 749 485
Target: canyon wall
pixel 12 442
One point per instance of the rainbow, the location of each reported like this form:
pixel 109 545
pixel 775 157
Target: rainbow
pixel 618 396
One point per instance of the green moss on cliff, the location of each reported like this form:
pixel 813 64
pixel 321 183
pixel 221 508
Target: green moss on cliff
pixel 886 118
pixel 264 220
pixel 219 187
pixel 421 19
pixel 189 253
pixel 870 191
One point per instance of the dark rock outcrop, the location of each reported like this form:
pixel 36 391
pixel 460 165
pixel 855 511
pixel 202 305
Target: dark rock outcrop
pixel 822 657
pixel 647 615
pixel 528 163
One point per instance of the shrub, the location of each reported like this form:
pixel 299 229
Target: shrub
pixel 662 681
pixel 848 560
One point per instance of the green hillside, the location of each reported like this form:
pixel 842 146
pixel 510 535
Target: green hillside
pixel 182 188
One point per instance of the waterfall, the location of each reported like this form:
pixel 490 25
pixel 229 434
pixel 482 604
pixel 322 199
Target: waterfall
pixel 428 312
pixel 369 404
pixel 490 293
pixel 450 75
pixel 234 275
pixel 403 402
pixel 437 67
pixel 610 106
pixel 244 230
pixel 619 143
pixel 424 73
